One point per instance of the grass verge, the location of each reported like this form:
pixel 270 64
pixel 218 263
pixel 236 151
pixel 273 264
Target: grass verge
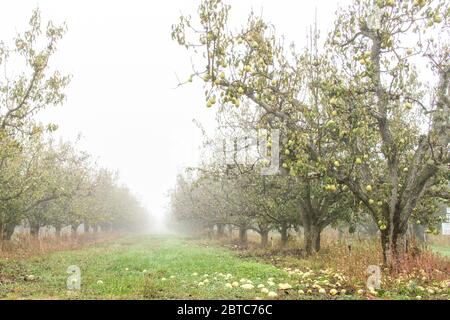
pixel 162 267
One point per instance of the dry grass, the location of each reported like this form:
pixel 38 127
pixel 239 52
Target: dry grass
pixel 421 263
pixel 27 246
pixel 439 240
pixel 422 276
pixel 350 256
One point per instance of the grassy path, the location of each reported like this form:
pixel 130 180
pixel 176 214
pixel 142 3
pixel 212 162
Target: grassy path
pixel 147 267
pixel 164 267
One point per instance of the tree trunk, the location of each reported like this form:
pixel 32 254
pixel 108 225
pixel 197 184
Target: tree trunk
pixel 210 231
pixel 264 238
pixel 316 240
pixel 7 230
pixel 243 235
pixel 311 237
pixel 394 247
pixel 58 231
pixel 86 227
pixel 230 231
pixel 74 229
pixel 284 234
pixel 34 229
pixel 220 230
pixel 307 242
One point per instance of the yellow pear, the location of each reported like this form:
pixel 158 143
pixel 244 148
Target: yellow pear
pixel 437 18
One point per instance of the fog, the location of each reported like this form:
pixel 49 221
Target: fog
pixel 123 101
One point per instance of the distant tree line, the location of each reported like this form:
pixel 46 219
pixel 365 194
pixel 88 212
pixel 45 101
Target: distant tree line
pixel 43 182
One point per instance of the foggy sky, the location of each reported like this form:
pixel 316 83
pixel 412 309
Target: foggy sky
pixel 125 67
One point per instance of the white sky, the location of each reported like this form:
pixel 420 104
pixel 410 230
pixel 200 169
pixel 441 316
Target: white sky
pixel 123 62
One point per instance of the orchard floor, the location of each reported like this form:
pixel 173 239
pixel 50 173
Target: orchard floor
pixel 168 267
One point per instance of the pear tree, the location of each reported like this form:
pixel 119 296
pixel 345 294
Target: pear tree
pixel 390 92
pixel 254 66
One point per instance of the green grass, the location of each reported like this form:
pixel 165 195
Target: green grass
pixel 163 267
pixel 442 250
pixel 120 265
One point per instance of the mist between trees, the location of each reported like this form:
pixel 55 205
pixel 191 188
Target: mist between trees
pixel 363 122
pixel 43 182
